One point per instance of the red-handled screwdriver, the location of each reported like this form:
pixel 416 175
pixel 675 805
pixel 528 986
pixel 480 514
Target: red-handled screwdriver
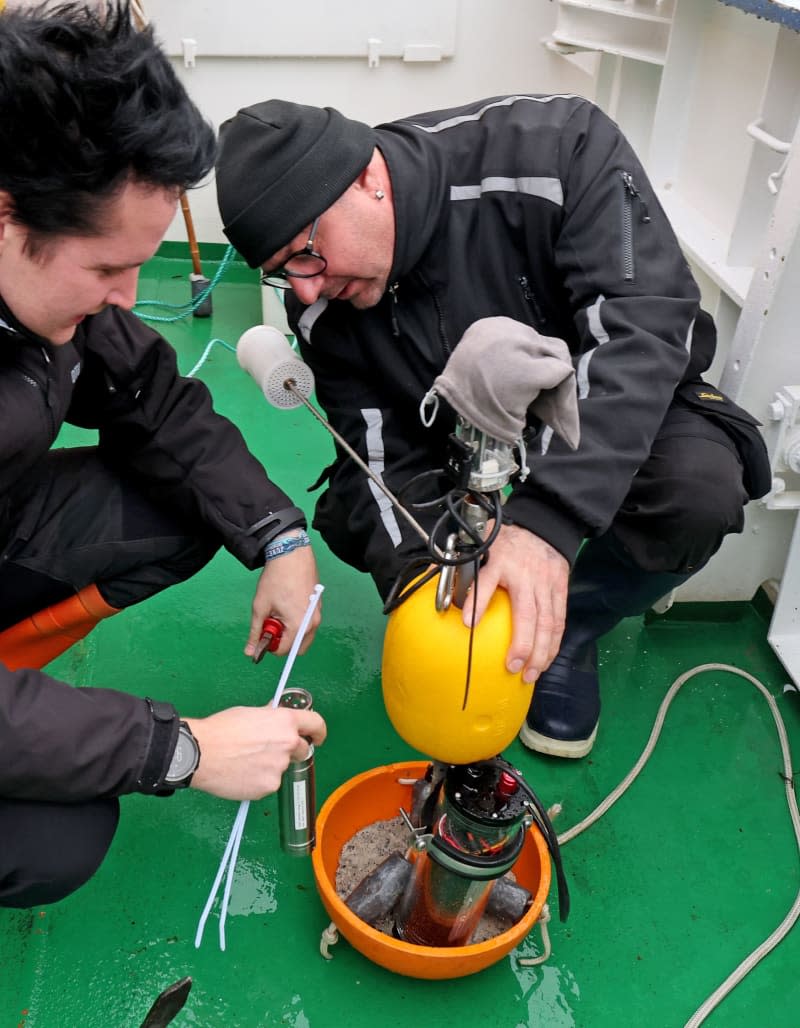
pixel 271 632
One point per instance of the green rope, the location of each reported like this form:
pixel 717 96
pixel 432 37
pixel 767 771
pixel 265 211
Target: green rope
pixel 201 362
pixel 184 309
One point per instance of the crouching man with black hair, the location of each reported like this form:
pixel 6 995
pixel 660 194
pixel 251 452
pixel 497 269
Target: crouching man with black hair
pixel 97 141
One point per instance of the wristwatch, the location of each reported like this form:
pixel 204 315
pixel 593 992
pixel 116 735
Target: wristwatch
pixel 184 760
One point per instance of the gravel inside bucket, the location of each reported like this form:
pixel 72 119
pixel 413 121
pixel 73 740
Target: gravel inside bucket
pixel 369 847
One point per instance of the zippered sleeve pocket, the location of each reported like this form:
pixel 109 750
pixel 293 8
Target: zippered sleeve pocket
pixel 634 209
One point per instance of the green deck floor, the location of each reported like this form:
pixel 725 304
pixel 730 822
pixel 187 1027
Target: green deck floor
pixel 686 874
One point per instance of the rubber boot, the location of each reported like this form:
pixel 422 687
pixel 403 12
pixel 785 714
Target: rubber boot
pixel 604 589
pixel 40 638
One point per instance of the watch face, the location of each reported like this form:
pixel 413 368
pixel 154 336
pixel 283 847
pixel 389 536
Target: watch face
pixel 185 758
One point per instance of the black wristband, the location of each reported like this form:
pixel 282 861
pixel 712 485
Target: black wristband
pixel 162 745
pixel 276 523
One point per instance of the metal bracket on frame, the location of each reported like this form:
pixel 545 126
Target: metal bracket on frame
pixel 784 409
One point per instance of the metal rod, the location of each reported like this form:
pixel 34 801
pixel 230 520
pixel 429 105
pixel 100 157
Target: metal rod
pixel 290 385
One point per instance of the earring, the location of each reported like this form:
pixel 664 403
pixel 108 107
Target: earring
pixel 379 194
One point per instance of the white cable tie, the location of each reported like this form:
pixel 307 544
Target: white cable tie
pixel 236 835
pixel 198 938
pixel 231 853
pixel 313 600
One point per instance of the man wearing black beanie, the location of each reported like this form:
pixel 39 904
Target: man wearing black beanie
pixel 392 242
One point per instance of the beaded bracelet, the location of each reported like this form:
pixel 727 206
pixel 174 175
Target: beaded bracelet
pixel 286 545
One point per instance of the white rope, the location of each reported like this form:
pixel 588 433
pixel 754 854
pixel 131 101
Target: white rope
pixel 231 853
pixel 788 922
pixel 430 399
pixel 329 937
pixel 543 920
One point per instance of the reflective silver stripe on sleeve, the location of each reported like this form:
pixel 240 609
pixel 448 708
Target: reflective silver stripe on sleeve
pixel 546 188
pixel 582 373
pixel 309 316
pixel 689 337
pixel 375 459
pixel 601 336
pixel 506 101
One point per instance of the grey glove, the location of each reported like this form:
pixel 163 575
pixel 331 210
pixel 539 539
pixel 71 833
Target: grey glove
pixel 499 369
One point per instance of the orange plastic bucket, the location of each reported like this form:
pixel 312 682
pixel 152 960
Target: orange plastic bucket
pixel 377 795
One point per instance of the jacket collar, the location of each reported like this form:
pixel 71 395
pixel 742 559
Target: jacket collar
pixel 11 324
pixel 8 321
pixel 419 188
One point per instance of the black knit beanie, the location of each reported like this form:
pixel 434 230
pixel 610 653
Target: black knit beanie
pixel 280 165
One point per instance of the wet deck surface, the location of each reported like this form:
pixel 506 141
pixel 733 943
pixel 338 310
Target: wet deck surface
pixel 687 874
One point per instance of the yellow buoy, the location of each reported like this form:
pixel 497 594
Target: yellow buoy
pixel 428 699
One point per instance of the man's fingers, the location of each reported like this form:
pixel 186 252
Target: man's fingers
pixel 255 635
pixel 478 597
pixel 525 629
pixel 302 750
pixel 538 625
pixel 549 627
pixel 311 726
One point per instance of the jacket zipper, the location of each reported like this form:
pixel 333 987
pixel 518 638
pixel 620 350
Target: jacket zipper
pixel 631 194
pixel 43 387
pixel 394 311
pixel 531 299
pixel 442 331
pixel 439 315
pixel 47 393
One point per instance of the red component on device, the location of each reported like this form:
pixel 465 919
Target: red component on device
pixel 271 632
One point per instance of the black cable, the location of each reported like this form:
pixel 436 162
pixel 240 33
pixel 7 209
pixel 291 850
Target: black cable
pixel 545 826
pixel 490 502
pixel 471 637
pixel 405 585
pixel 421 477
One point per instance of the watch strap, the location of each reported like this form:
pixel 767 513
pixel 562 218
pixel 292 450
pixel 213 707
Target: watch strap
pixel 162 745
pixel 276 523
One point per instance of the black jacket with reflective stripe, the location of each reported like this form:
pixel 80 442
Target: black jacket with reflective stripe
pixel 535 208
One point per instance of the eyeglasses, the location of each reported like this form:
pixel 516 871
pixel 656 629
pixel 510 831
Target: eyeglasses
pixel 305 263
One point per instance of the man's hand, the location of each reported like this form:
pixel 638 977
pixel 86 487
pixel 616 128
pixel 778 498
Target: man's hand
pixel 245 750
pixel 283 591
pixel 535 576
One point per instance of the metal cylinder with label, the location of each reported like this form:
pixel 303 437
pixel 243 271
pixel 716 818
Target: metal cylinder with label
pixel 296 796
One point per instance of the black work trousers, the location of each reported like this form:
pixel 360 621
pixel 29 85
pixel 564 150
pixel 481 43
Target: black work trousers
pixel 48 850
pixel 687 496
pixel 76 521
